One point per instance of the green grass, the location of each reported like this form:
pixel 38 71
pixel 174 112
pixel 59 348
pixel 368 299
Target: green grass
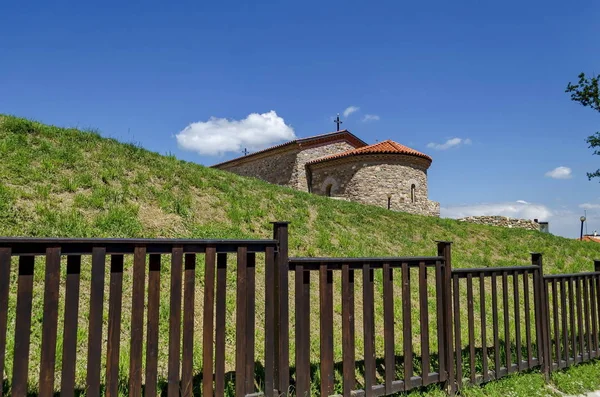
pixel 69 183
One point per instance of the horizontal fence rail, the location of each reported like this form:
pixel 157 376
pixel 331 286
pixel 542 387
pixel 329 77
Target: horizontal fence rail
pixel 239 317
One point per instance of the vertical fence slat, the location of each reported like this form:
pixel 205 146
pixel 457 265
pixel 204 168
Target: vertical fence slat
pixel 388 327
pixel 505 310
pixel 220 324
pixel 597 281
pixel 250 319
pixel 563 314
pixel 424 316
pixel 540 302
pixel 471 326
pixel 457 331
pixel 302 331
pixel 484 352
pixel 548 330
pixel 593 313
pixel 572 319
pixel 407 327
pixel 444 249
pixel 137 322
pixel 114 325
pixel 579 317
pixel 597 269
pixel 23 326
pixel 240 322
pixel 496 326
pixel 269 321
pixel 5 255
pixel 439 288
pixel 95 321
pixel 326 329
pixel 188 326
pixel 175 320
pixel 586 312
pixel 282 309
pixel 556 322
pixel 517 304
pixel 369 328
pixel 348 329
pixel 152 325
pixel 69 353
pixel 527 315
pixel 207 330
pixel 50 321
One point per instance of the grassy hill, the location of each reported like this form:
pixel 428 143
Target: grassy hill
pixel 71 183
pixel 66 182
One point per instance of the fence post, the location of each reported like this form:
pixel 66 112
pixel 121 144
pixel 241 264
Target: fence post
pixel 541 314
pixel 282 324
pixel 444 249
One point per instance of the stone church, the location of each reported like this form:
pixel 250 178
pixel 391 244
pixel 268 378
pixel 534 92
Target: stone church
pixel 341 165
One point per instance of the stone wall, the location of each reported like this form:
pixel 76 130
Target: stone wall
pixel 502 221
pixel 313 153
pixel 278 168
pixel 371 179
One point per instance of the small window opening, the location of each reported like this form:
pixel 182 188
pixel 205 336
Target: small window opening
pixel 412 193
pixel 328 190
pixel 389 201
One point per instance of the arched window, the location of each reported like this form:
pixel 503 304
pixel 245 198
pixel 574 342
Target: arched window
pixel 413 197
pixel 328 190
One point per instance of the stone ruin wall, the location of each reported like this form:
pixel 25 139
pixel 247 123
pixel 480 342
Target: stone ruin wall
pixel 502 221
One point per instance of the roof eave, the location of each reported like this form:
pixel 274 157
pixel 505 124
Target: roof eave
pixel 297 142
pixel 328 159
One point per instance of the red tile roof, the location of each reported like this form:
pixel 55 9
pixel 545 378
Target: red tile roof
pixel 591 238
pixel 385 147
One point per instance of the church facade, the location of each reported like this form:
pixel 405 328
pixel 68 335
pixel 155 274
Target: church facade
pixel 341 165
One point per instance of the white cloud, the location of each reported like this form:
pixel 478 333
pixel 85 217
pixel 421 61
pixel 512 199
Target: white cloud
pixel 519 209
pixel 589 206
pixel 218 136
pixel 450 143
pixel 370 117
pixel 350 109
pixel 560 173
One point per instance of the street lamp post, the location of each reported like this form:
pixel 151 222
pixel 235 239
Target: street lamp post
pixel 582 219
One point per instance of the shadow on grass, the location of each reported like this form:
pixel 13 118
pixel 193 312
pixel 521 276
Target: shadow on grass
pixel 359 366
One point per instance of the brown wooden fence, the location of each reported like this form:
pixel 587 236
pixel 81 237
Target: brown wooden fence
pixel 418 322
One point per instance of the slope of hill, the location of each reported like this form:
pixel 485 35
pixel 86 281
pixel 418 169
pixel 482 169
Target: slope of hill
pixel 70 183
pixel 64 182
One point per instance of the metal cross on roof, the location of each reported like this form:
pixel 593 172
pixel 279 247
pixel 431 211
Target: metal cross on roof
pixel 338 122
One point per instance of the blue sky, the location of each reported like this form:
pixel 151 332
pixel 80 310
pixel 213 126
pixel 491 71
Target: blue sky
pixel 490 72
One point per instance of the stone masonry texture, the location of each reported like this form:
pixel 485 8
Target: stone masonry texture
pixel 372 179
pixel 502 221
pixel 277 168
pixel 313 153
